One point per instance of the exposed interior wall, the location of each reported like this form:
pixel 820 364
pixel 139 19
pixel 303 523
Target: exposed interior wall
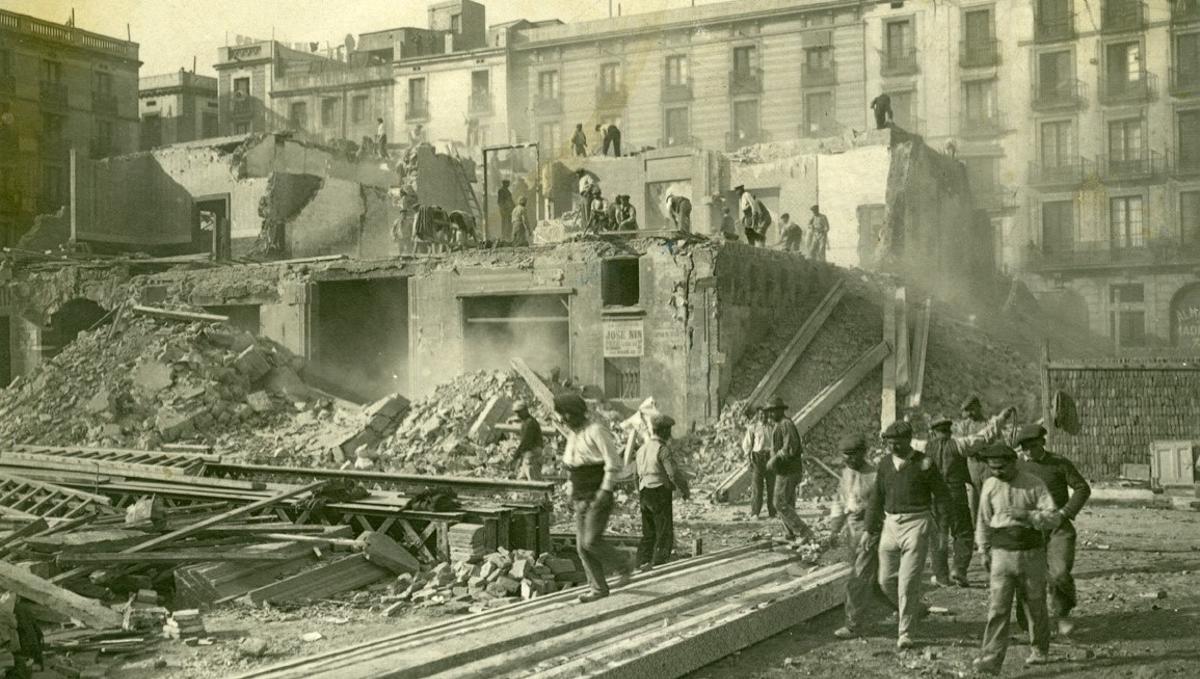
pixel 360 338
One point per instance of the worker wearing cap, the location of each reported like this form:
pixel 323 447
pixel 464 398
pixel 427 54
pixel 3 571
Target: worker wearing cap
pixel 972 422
pixel 756 444
pixel 1015 508
pixel 658 477
pixel 530 444
pixel 909 493
pixel 1070 492
pixel 594 465
pixel 849 511
pixel 787 464
pixel 951 454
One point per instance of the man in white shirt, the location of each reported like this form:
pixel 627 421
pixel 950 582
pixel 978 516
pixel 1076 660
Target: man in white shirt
pixel 593 462
pixel 756 444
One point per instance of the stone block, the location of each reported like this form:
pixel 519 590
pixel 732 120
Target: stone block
pixel 391 407
pixel 252 363
pixel 260 402
pixel 151 377
pixel 99 403
pixel 173 424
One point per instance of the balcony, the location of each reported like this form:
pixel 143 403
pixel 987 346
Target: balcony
pixel 1055 28
pixel 243 107
pixel 1185 82
pixel 979 125
pixel 1122 15
pixel 997 199
pixel 1109 253
pixel 1185 11
pixel 1066 94
pixel 898 62
pixel 53 93
pixel 738 139
pixel 547 105
pixel 417 111
pixel 480 103
pixel 1143 165
pixel 749 81
pixel 1064 174
pixel 1183 164
pixel 610 99
pixel 978 54
pixel 8 84
pixel 818 75
pixel 673 93
pixel 1122 91
pixel 104 103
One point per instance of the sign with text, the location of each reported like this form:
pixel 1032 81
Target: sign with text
pixel 624 339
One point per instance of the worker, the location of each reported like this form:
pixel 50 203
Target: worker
pixel 728 230
pixel 529 444
pixel 909 490
pixel 791 233
pixel 1070 492
pixel 756 444
pixel 818 235
pixel 971 422
pixel 416 135
pixel 522 232
pixel 954 529
pixel 679 208
pixel 589 188
pixel 464 233
pixel 1015 511
pixel 882 107
pixel 855 485
pixel 625 216
pixel 754 216
pixel 787 464
pixel 593 465
pixel 381 139
pixel 599 211
pixel 504 200
pixel 611 136
pixel 637 429
pixel 658 477
pixel 579 141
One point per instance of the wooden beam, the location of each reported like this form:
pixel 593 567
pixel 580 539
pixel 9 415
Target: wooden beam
pixel 919 349
pixel 180 556
pixel 901 341
pixel 171 314
pixel 539 388
pixel 38 590
pixel 344 574
pixel 887 414
pixel 795 347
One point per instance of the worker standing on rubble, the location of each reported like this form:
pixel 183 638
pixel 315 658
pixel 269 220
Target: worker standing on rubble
pixel 909 492
pixel 728 230
pixel 882 107
pixel 658 477
pixel 818 235
pixel 787 464
pixel 579 141
pixel 381 140
pixel 1015 512
pixel 1070 491
pixel 756 444
pixel 594 466
pixel 610 135
pixel 625 215
pixel 530 445
pixel 849 511
pixel 679 208
pixel 522 234
pixel 972 422
pixel 504 200
pixel 589 189
pixel 638 429
pixel 791 233
pixel 954 529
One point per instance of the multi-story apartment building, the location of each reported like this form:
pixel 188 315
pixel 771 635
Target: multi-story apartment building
pixel 61 88
pixel 177 107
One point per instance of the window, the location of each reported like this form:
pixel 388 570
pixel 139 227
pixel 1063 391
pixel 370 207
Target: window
pixel 549 137
pixel 743 60
pixel 1131 328
pixel 1125 140
pixel 745 121
pixel 610 78
pixel 208 124
pixel 51 71
pixel 104 137
pixel 979 100
pixel 52 127
pixel 1058 226
pixel 1058 143
pixel 818 59
pixel 1189 139
pixel 1189 217
pixel 677 70
pixel 1053 18
pixel 1127 321
pixel 620 282
pixel 104 83
pixel 241 87
pixel 417 104
pixel 1125 222
pixel 1055 74
pixel 1123 65
pixel 456 23
pixel 977 27
pixel 898 40
pixel 548 85
pixel 358 108
pixel 1187 56
pixel 1127 293
pixel 818 113
pixel 329 112
pixel 480 83
pixel 678 126
pixel 298 115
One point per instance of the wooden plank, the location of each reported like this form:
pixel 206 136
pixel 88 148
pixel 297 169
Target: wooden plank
pixel 38 590
pixel 344 574
pixel 31 528
pixel 173 315
pixel 919 349
pixel 887 414
pixel 539 388
pixel 181 556
pixel 901 341
pixel 795 347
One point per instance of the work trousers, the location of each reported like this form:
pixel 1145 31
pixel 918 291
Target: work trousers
pixel 955 533
pixel 658 526
pixel 903 547
pixel 763 482
pixel 881 115
pixel 597 555
pixel 1060 561
pixel 785 506
pixel 505 225
pixel 863 583
pixel 531 469
pixel 1022 574
pixel 613 139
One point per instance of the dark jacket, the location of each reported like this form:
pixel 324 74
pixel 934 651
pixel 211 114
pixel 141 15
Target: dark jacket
pixel 1059 474
pixel 786 449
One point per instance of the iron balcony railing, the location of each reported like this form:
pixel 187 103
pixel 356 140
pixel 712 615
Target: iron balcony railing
pixel 1185 11
pixel 746 81
pixel 1122 15
pixel 1061 94
pixel 1145 164
pixel 1139 250
pixel 609 99
pixel 1183 163
pixel 1128 90
pixel 1185 82
pixel 898 62
pixel 978 53
pixel 818 75
pixel 981 125
pixel 480 103
pixel 996 199
pixel 675 92
pixel 53 93
pixel 1067 172
pixel 243 107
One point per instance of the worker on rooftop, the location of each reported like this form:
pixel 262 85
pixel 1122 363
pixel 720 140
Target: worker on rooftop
pixel 882 107
pixel 1015 511
pixel 530 444
pixel 505 202
pixel 579 141
pixel 611 136
pixel 818 235
pixel 522 232
pixel 594 466
pixel 679 208
pixel 909 491
pixel 791 233
pixel 658 477
pixel 788 466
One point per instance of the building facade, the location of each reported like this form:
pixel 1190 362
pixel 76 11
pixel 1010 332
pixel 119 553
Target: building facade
pixel 177 107
pixel 61 88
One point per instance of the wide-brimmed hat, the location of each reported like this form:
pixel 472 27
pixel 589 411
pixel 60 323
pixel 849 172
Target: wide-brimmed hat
pixel 775 404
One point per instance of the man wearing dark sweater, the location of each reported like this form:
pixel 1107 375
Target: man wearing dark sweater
pixel 909 493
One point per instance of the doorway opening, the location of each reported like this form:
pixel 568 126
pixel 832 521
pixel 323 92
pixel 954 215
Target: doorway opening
pixel 210 226
pixel 360 337
pixel 245 317
pixel 499 328
pixel 71 319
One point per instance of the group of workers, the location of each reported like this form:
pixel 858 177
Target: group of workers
pixel 610 138
pixel 754 219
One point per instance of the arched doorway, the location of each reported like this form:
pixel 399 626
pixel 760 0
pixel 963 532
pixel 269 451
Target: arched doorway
pixel 67 322
pixel 1185 318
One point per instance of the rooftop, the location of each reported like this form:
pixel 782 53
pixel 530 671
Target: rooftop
pixel 67 35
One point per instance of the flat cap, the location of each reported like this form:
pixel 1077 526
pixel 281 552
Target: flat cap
pixel 662 422
pixel 1029 432
pixel 570 403
pixel 998 451
pixel 520 406
pixel 972 400
pixel 898 430
pixel 941 421
pixel 850 443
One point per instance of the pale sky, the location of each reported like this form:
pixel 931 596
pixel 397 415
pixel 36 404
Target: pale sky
pixel 171 32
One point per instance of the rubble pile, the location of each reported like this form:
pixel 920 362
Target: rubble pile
pixel 148 381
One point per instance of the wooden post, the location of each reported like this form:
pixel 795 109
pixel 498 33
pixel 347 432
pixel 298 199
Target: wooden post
pixel 74 195
pixel 901 341
pixel 887 413
pixel 919 349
